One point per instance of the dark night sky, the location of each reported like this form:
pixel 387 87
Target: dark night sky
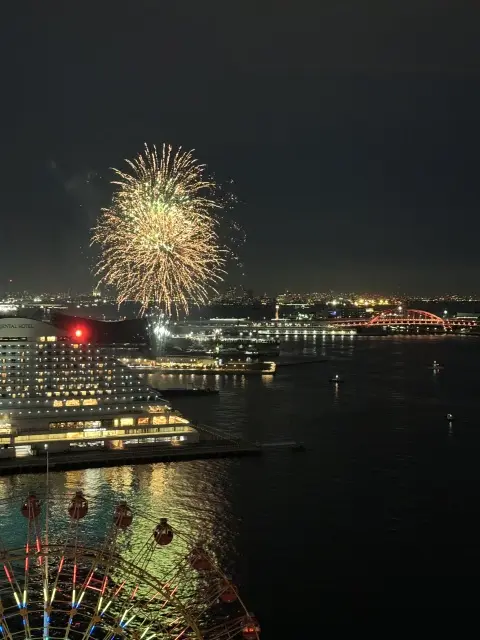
pixel 351 130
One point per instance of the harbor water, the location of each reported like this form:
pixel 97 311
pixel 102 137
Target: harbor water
pixel 379 515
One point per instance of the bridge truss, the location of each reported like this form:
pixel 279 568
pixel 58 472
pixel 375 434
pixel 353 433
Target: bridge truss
pixel 407 318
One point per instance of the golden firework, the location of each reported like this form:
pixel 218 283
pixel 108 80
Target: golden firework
pixel 159 239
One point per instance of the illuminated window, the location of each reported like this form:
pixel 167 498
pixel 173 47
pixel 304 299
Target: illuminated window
pixel 57 403
pixel 155 408
pixel 72 403
pixel 143 421
pixel 126 422
pixel 57 425
pixel 93 424
pixel 90 402
pixel 51 338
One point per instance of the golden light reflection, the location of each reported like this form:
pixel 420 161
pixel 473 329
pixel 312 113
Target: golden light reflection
pixel 139 551
pixel 120 479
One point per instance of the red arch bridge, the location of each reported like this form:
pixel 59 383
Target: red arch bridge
pixel 407 318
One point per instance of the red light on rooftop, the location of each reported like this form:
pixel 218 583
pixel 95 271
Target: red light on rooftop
pixel 79 334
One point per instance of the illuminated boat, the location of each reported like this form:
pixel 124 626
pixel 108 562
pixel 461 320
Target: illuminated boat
pixel 336 379
pixel 201 365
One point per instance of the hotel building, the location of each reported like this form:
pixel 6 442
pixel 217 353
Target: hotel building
pixel 61 391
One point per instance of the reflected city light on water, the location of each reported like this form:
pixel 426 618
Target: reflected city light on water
pixel 191 495
pixel 336 393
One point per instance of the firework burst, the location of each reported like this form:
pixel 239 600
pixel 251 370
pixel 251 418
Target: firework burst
pixel 159 239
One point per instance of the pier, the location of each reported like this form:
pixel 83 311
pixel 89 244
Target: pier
pixel 214 443
pixel 298 363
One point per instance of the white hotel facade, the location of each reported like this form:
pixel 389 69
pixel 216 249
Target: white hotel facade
pixel 66 393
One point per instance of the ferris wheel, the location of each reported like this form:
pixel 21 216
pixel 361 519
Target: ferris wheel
pixel 69 582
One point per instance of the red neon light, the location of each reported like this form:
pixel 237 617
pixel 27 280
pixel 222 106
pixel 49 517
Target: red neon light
pixel 78 333
pixel 426 315
pixel 89 579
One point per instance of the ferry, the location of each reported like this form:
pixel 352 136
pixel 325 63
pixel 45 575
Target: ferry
pixel 198 364
pixel 244 350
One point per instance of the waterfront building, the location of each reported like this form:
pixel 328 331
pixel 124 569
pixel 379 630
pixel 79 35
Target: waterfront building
pixel 198 364
pixel 59 390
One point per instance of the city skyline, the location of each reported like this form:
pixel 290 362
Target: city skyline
pixel 351 143
pixel 244 295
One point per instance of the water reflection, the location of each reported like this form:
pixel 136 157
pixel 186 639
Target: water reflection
pixel 193 496
pixel 378 438
pixel 336 393
pixel 267 380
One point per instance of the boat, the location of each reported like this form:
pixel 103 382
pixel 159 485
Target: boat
pixel 246 351
pixel 199 365
pixel 336 379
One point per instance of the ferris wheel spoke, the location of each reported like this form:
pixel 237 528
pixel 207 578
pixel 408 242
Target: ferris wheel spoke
pixel 19 594
pixel 153 585
pixel 4 629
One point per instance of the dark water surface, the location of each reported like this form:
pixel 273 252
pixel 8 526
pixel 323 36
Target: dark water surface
pixel 381 514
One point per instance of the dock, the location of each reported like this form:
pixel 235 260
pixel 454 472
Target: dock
pixel 298 363
pixel 214 443
pixel 175 392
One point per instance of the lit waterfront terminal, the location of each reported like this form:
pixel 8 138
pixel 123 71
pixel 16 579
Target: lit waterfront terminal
pixel 59 391
pixel 202 365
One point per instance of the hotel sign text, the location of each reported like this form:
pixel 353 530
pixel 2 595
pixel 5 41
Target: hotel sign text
pixel 16 326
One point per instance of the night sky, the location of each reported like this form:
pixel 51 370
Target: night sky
pixel 350 129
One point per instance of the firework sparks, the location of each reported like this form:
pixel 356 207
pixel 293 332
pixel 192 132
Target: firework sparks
pixel 159 239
